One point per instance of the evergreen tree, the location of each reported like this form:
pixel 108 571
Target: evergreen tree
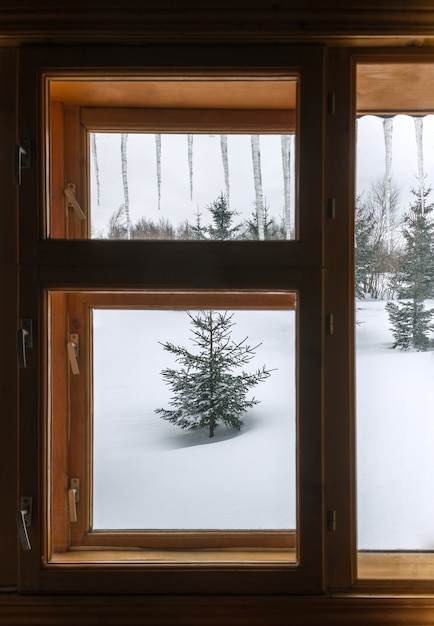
pixel 211 388
pixel 365 257
pixel 222 227
pixel 411 323
pixel 272 229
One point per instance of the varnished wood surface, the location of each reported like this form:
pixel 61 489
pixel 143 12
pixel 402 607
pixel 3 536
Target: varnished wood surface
pixel 223 20
pixel 213 611
pixel 8 322
pixel 396 565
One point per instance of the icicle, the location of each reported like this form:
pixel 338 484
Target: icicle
pixel 124 162
pixel 224 150
pixel 158 152
pixel 388 135
pixel 418 127
pixel 190 163
pixel 286 166
pixel 256 159
pixel 95 162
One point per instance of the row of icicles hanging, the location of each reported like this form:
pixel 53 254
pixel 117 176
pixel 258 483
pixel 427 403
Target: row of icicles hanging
pixel 388 140
pixel 257 175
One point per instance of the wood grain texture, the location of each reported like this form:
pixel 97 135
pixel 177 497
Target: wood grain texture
pixel 214 611
pixel 223 20
pixel 8 321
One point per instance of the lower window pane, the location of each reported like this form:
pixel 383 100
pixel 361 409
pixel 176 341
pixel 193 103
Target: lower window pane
pixel 233 464
pixel 395 431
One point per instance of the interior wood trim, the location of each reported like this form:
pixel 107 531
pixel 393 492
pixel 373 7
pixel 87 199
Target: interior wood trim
pixel 226 610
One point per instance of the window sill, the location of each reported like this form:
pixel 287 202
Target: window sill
pixel 214 558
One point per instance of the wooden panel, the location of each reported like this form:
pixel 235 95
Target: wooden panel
pixel 246 21
pixel 226 610
pixel 395 88
pixel 8 133
pixel 395 565
pixel 190 120
pixel 179 94
pixel 8 322
pixel 58 431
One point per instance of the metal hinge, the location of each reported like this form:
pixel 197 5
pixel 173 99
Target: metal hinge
pixel 331 521
pixel 24 340
pixel 329 323
pixel 24 520
pixel 21 159
pixel 331 208
pixel 330 102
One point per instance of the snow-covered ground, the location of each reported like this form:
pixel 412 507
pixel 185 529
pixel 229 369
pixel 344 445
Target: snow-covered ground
pixel 150 474
pixel 395 437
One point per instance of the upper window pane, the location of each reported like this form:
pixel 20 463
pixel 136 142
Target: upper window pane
pixel 192 159
pixel 192 186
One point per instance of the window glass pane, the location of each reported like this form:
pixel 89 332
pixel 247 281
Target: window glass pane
pixel 150 473
pixel 192 186
pixel 394 339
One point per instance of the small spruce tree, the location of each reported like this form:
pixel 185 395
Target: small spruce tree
pixel 211 388
pixel 411 322
pixel 222 227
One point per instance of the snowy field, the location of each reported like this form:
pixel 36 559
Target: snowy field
pixel 150 474
pixel 395 434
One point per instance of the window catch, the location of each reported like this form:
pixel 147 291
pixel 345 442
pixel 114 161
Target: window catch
pixel 24 520
pixel 73 498
pixel 329 324
pixel 71 201
pixel 331 208
pixel 21 159
pixel 24 340
pixel 73 352
pixel 331 521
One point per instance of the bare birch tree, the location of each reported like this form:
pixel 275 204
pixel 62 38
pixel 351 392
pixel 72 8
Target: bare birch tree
pixel 286 167
pixel 124 163
pixel 224 151
pixel 94 150
pixel 418 127
pixel 388 136
pixel 257 178
pixel 158 155
pixel 190 162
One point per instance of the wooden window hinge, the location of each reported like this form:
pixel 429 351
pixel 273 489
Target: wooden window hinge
pixel 331 521
pixel 71 201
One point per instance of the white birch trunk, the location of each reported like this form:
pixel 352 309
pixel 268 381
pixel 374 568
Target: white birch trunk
pixel 257 178
pixel 418 127
pixel 124 163
pixel 158 155
pixel 388 136
pixel 224 150
pixel 190 162
pixel 94 150
pixel 286 167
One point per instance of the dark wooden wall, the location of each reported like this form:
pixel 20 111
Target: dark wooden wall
pixel 333 23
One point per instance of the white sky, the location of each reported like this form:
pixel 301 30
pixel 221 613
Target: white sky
pixel 208 176
pixel 371 154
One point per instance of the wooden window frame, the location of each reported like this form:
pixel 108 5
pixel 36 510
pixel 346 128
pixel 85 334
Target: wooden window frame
pixel 70 434
pixel 57 266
